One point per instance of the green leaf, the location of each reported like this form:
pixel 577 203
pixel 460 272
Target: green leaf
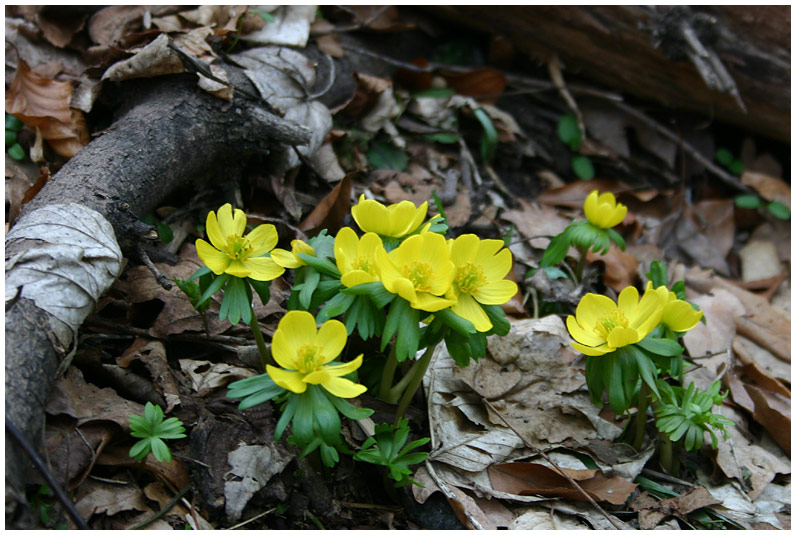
pixel 555 273
pixel 347 409
pixel 779 210
pixel 556 250
pixel 160 450
pixel 164 232
pixel 398 307
pixel 662 346
pixel 736 167
pixel 646 368
pixel 459 324
pixel 446 138
pixel 12 123
pixel 496 314
pixel 140 449
pixel 325 415
pixel 288 411
pixel 321 264
pixel 441 92
pixel 16 152
pixel 310 284
pixel 383 155
pixel 375 290
pixel 724 156
pixel 263 289
pixel 489 138
pixel 582 167
pixel 303 419
pixel 254 391
pixel 201 272
pixel 11 137
pixel 236 304
pixel 336 306
pixel 569 131
pixel 214 286
pixel 616 238
pixel 748 202
pixel 657 274
pixel 459 349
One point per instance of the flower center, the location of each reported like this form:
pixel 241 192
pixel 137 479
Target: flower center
pixel 609 322
pixel 238 247
pixel 420 273
pixel 469 278
pixel 361 263
pixel 308 359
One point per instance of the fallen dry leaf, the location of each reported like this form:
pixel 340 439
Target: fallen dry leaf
pixel 532 478
pixel 331 211
pixel 769 187
pixel 484 84
pixel 43 103
pixel 155 59
pixel 152 353
pixel 537 222
pixel 772 411
pixel 100 497
pixel 206 376
pixel 173 472
pixel 621 267
pixel 759 261
pixel 651 513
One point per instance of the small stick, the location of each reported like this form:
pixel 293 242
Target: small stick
pixel 555 465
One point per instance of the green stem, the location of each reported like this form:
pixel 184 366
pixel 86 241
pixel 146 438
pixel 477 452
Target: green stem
pixel 641 417
pixel 417 378
pixel 581 264
pixel 400 386
pixel 388 374
pixel 665 457
pixel 265 355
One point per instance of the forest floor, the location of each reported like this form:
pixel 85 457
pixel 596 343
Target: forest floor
pixel 456 130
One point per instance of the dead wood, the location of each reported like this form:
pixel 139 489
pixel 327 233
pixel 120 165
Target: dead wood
pixel 731 63
pixel 172 135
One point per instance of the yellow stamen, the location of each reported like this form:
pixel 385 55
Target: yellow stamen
pixel 362 263
pixel 308 358
pixel 608 323
pixel 420 273
pixel 238 247
pixel 469 278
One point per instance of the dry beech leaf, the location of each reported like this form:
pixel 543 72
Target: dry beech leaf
pixel 331 211
pixel 153 355
pixel 769 187
pixel 772 411
pixel 173 472
pixel 651 512
pixel 483 84
pixel 154 59
pixel 532 478
pixel 621 267
pixel 43 103
pixel 573 194
pixel 540 220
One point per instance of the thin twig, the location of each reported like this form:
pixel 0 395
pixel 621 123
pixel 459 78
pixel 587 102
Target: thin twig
pixel 252 519
pixel 652 474
pixel 555 465
pixel 54 486
pixel 163 511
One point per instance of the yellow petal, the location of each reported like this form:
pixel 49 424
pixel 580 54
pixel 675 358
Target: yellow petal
pixel 332 337
pixel 628 301
pixel 580 334
pixel 344 369
pixel 648 314
pixel 214 233
pixel 593 351
pixel 680 316
pixel 463 249
pixel 592 308
pixel 369 244
pixel 496 293
pixel 299 327
pixel 411 250
pixel 356 277
pixel 286 259
pixel 212 257
pixel 590 207
pixel 430 303
pixel 285 350
pixel 469 309
pixel 343 388
pixel 371 216
pixel 317 377
pixel 226 223
pixel 263 268
pixel 262 239
pixel 404 288
pixel 622 336
pixel 289 380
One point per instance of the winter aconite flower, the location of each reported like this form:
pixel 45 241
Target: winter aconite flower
pixel 356 257
pixel 395 220
pixel 678 315
pixel 233 253
pixel 290 259
pixel 480 266
pixel 419 270
pixel 601 326
pixel 603 211
pixel 306 354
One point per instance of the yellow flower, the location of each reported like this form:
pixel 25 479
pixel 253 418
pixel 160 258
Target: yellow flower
pixel 678 315
pixel 356 257
pixel 603 211
pixel 395 220
pixel 601 326
pixel 290 259
pixel 419 270
pixel 232 252
pixel 480 266
pixel 306 353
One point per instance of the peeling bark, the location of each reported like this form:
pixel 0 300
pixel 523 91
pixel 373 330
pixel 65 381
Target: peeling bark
pixel 172 135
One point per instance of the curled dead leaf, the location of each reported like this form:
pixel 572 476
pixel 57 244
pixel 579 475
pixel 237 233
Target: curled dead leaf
pixel 42 102
pixel 532 478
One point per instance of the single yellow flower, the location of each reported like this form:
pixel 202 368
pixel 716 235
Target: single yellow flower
pixel 232 252
pixel 395 220
pixel 290 259
pixel 601 326
pixel 356 257
pixel 603 211
pixel 678 315
pixel 480 268
pixel 419 270
pixel 306 353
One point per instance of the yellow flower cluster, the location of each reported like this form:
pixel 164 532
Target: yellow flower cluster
pixel 601 326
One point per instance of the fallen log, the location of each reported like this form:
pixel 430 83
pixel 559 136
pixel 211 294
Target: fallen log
pixel 64 250
pixel 731 63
